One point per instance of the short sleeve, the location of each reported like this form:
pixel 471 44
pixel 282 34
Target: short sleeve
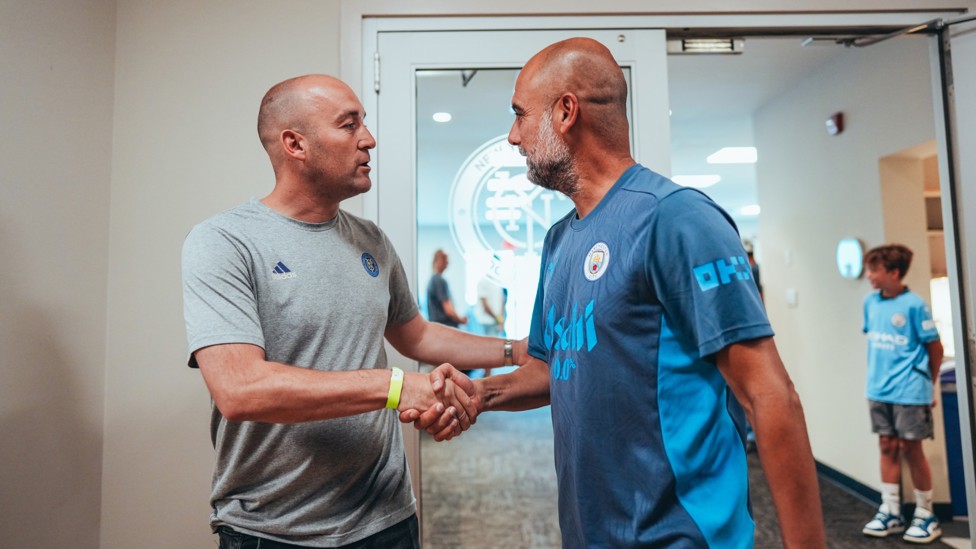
pixel 924 325
pixel 403 306
pixel 219 304
pixel 864 327
pixel 439 289
pixel 701 275
pixel 537 346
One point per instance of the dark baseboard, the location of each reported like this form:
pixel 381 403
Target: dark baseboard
pixel 872 496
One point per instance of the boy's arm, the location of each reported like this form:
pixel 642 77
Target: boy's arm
pixel 936 353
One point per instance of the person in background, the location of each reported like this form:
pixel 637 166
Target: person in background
pixel 440 309
pixel 646 324
pixel 490 310
pixel 904 357
pixel 754 266
pixel 287 300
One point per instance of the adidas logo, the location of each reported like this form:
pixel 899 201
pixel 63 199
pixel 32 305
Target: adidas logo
pixel 281 272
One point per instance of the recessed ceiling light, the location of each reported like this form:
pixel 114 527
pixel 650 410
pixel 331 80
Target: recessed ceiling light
pixel 733 155
pixel 750 210
pixel 696 181
pixel 442 117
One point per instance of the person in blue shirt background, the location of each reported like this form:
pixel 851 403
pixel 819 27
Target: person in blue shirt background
pixel 904 356
pixel 440 309
pixel 646 330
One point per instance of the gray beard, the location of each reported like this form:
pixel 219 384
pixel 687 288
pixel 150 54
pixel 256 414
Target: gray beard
pixel 554 168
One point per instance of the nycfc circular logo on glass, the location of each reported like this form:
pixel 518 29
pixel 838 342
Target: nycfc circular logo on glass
pixel 494 206
pixel 370 265
pixel 897 320
pixel 596 261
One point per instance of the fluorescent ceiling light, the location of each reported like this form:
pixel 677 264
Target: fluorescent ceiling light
pixel 706 45
pixel 696 181
pixel 442 117
pixel 750 210
pixel 734 155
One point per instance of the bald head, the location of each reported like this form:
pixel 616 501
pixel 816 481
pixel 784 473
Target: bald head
pixel 586 68
pixel 287 105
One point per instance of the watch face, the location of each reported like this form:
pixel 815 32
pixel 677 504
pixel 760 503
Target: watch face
pixel 850 258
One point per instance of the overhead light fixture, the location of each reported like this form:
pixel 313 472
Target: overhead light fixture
pixel 733 155
pixel 442 117
pixel 750 210
pixel 707 45
pixel 696 181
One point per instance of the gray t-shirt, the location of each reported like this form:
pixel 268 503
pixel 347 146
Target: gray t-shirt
pixel 317 296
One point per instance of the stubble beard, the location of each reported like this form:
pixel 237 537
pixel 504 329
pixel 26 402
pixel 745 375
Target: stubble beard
pixel 552 166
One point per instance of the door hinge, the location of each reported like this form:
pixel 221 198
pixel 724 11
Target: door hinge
pixel 376 72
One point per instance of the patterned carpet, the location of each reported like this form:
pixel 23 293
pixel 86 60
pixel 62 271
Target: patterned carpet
pixel 495 487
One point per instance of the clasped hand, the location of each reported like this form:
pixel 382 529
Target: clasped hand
pixel 443 402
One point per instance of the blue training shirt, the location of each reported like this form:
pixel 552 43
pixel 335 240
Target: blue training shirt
pixel 899 328
pixel 632 301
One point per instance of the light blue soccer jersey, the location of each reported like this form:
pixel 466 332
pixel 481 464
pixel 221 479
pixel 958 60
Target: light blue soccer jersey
pixel 632 302
pixel 899 328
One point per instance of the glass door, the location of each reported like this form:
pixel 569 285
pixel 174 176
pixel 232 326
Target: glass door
pixel 447 180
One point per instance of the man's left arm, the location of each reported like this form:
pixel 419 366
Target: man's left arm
pixel 435 343
pixel 759 380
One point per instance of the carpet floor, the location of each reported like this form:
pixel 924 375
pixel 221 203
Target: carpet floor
pixel 495 487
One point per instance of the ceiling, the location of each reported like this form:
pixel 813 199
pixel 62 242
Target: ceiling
pixel 712 99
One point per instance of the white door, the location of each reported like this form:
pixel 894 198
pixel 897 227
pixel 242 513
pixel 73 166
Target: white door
pixel 457 185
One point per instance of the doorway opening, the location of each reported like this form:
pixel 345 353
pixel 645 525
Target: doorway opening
pixel 810 196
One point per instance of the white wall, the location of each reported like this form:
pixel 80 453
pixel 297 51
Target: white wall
pixel 56 57
pixel 189 80
pixel 816 189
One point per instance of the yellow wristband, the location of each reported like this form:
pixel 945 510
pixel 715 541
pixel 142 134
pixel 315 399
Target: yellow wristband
pixel 396 386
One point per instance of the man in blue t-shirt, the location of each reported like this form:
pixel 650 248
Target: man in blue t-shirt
pixel 904 356
pixel 647 328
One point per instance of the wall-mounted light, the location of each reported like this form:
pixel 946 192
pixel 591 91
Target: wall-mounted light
pixel 850 258
pixel 442 117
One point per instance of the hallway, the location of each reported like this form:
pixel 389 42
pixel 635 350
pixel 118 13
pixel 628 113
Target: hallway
pixel 495 487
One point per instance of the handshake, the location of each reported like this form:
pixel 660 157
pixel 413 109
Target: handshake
pixel 444 403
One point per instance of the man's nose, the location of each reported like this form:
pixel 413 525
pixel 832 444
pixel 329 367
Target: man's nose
pixel 368 142
pixel 514 138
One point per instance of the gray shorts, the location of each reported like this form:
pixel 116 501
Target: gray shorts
pixel 904 421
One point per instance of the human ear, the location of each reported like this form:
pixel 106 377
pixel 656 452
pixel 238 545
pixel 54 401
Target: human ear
pixel 294 144
pixel 568 105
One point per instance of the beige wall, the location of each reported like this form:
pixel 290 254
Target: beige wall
pixel 104 429
pixel 816 189
pixel 56 58
pixel 189 79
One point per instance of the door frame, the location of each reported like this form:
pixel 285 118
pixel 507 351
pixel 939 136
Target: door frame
pixel 359 67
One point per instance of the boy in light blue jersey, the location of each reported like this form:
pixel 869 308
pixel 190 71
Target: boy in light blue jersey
pixel 904 355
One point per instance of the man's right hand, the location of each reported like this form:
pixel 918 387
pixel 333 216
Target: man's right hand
pixel 453 409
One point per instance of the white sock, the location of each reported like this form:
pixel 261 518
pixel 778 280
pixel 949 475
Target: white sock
pixel 891 496
pixel 923 499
